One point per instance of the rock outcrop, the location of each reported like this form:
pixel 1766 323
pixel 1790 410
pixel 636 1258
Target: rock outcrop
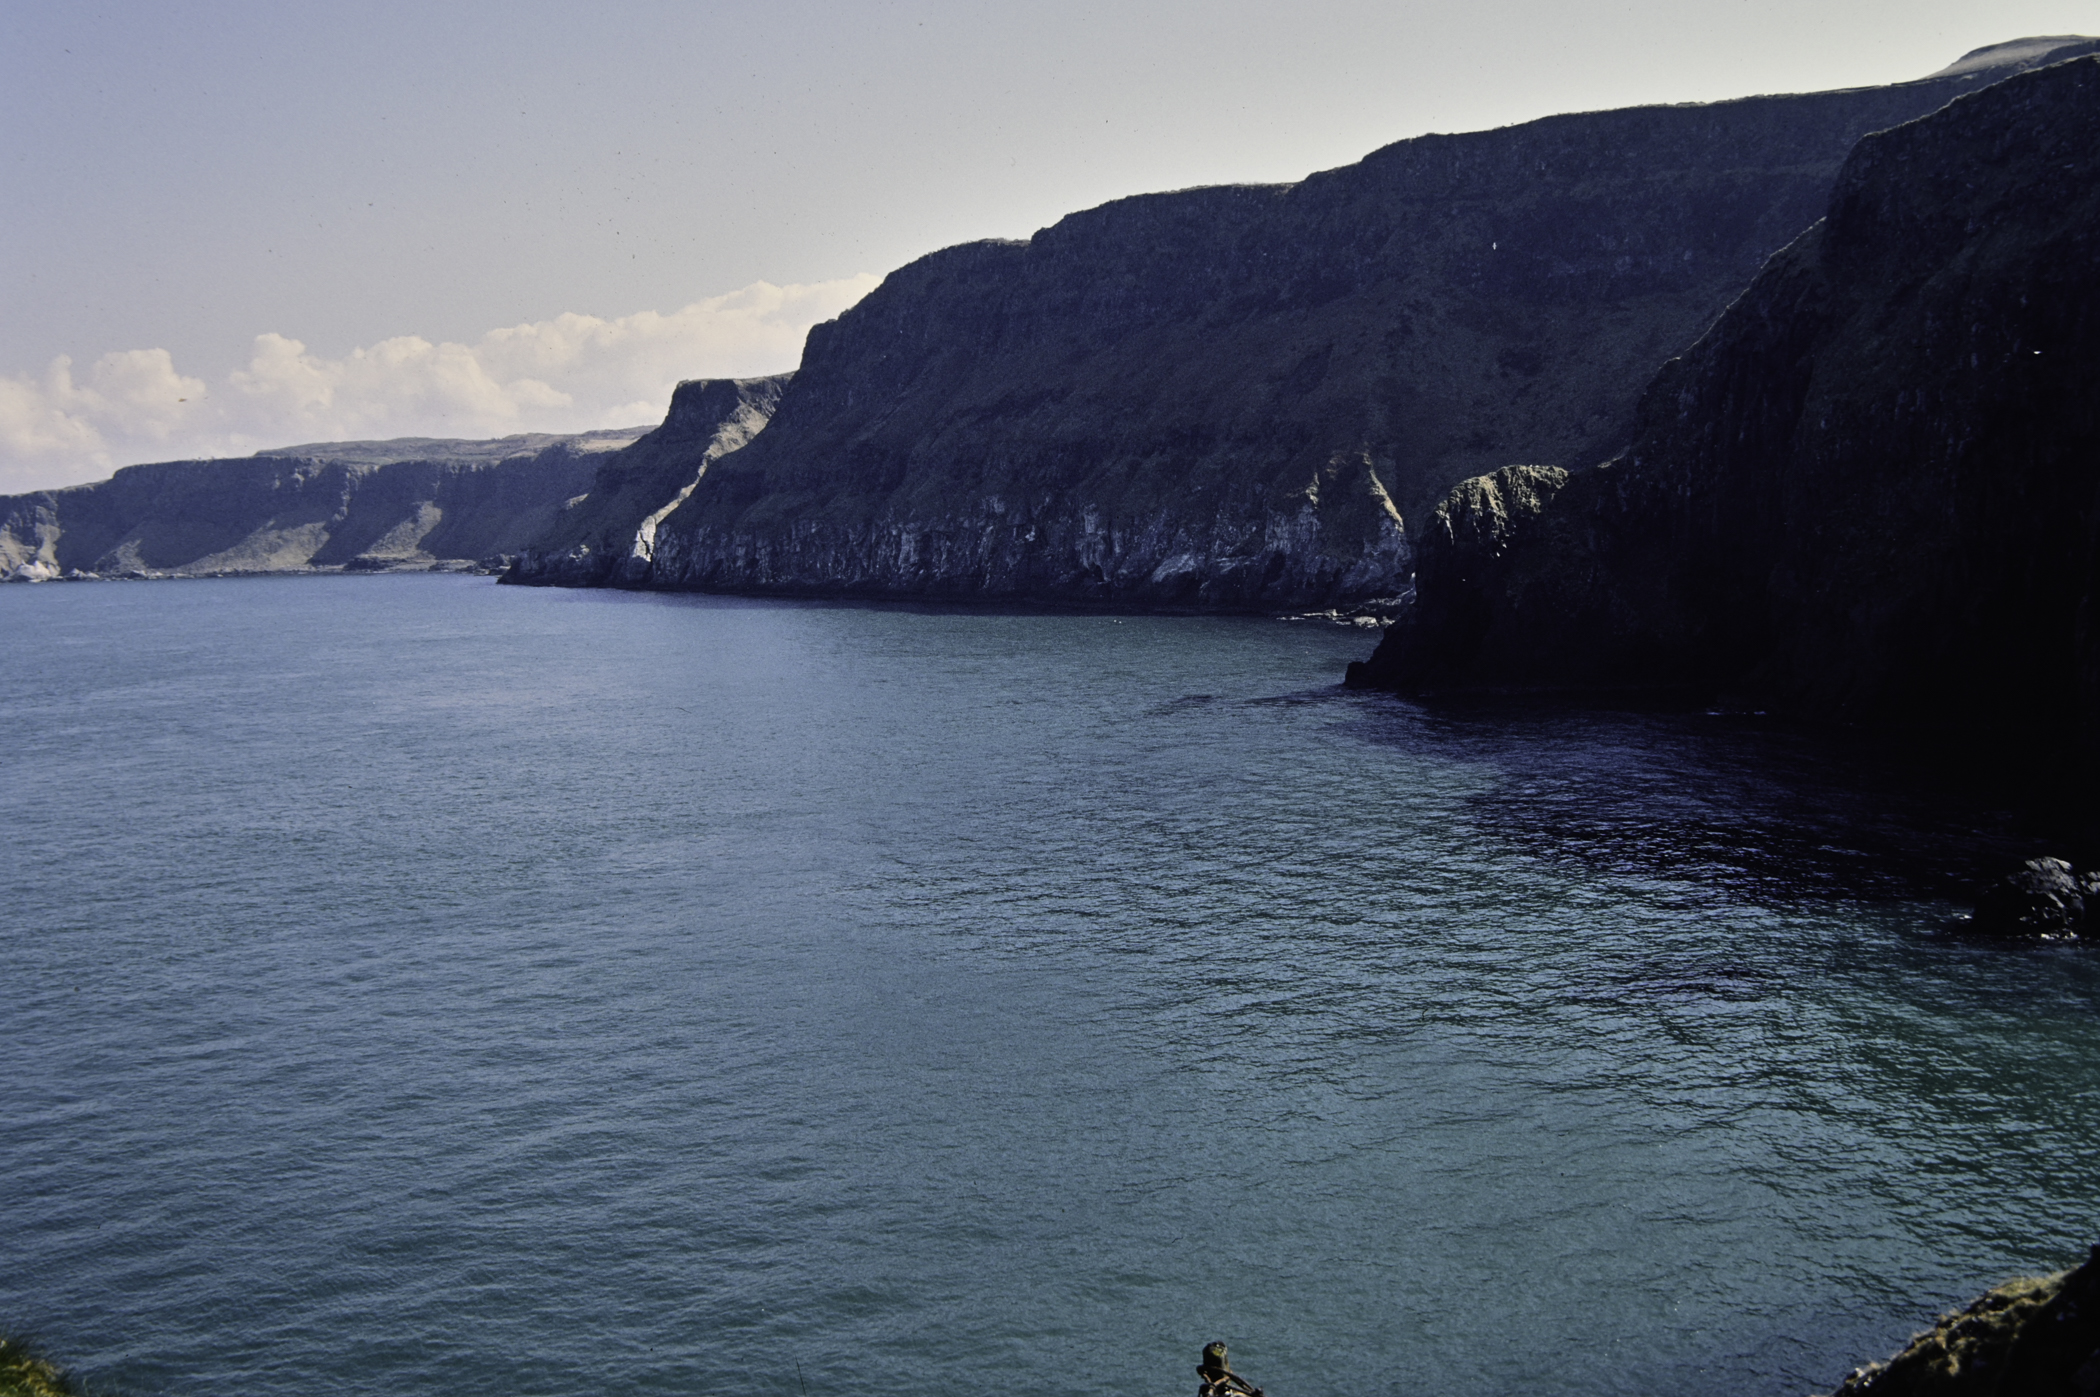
pixel 24 1373
pixel 1233 397
pixel 1870 492
pixel 2037 1337
pixel 608 535
pixel 2043 899
pixel 356 506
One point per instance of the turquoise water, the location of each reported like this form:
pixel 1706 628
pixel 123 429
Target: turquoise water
pixel 415 985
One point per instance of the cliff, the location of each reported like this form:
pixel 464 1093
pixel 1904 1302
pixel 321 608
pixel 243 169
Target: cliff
pixel 1867 493
pixel 1227 398
pixel 1233 397
pixel 608 535
pixel 417 502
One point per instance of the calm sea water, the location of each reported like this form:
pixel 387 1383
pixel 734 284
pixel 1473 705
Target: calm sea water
pixel 418 986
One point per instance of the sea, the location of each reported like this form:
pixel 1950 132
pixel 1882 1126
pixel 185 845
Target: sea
pixel 415 985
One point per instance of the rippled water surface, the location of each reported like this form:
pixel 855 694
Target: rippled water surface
pixel 420 986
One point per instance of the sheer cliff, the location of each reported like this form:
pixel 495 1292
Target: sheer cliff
pixel 608 535
pixel 1233 397
pixel 415 502
pixel 1870 492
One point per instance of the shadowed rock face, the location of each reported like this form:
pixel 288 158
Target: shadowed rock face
pixel 608 535
pixel 1232 397
pixel 1868 493
pixel 357 506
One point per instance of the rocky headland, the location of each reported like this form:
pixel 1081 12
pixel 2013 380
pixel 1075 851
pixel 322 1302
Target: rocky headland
pixel 608 535
pixel 1233 398
pixel 1868 493
pixel 340 506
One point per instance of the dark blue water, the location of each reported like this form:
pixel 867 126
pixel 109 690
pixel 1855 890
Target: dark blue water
pixel 418 986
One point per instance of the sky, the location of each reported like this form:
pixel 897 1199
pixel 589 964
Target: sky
pixel 227 226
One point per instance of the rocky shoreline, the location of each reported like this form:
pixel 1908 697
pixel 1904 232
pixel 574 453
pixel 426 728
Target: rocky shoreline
pixel 2029 1337
pixel 2033 1337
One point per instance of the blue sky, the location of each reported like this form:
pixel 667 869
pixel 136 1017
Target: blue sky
pixel 234 224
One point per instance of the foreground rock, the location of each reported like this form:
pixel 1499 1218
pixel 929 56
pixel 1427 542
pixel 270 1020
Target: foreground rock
pixel 344 506
pixel 1871 492
pixel 2027 1338
pixel 24 1374
pixel 1233 397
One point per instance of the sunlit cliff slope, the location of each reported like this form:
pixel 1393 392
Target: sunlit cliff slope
pixel 359 506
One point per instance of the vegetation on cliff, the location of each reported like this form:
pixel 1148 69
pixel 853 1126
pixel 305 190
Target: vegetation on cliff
pixel 24 1374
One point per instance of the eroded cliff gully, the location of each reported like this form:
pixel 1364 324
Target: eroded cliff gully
pixel 607 536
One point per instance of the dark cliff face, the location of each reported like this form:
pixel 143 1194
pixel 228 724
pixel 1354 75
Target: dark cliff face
pixel 1232 397
pixel 446 501
pixel 608 536
pixel 1868 492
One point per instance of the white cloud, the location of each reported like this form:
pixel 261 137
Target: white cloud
pixel 568 374
pixel 60 420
